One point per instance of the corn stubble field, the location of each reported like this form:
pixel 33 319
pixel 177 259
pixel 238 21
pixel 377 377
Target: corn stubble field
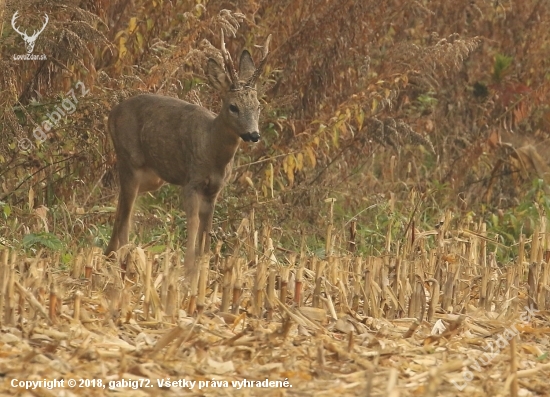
pixel 416 321
pixel 388 236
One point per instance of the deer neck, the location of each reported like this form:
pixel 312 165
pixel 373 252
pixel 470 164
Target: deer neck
pixel 224 142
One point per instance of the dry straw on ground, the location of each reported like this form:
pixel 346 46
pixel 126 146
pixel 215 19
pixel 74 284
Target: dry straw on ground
pixel 447 321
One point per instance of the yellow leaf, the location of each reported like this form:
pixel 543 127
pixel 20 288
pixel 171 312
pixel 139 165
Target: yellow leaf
pixel 291 162
pixel 322 127
pixel 132 24
pixel 122 50
pixel 343 129
pixel 291 166
pixel 139 38
pixel 360 117
pixel 335 136
pixel 311 156
pixel 117 36
pixel 316 141
pixel 299 162
pixel 290 178
pixel 374 105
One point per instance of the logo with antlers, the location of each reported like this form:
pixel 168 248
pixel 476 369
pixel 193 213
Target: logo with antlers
pixel 29 40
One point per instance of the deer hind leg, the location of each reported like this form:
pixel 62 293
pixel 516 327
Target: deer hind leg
pixel 129 186
pixel 132 182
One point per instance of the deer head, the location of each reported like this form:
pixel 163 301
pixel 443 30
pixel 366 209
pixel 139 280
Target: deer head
pixel 240 102
pixel 29 40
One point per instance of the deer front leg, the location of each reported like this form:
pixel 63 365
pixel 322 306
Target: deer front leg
pixel 191 204
pixel 206 212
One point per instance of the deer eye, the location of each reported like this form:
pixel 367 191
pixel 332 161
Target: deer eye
pixel 233 109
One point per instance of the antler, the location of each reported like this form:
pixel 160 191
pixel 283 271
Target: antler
pixel 43 27
pixel 13 19
pixel 229 66
pixel 35 34
pixel 252 80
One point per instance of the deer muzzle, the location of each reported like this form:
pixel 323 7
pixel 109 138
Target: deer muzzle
pixel 251 136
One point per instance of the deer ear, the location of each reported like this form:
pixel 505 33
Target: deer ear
pixel 217 76
pixel 246 66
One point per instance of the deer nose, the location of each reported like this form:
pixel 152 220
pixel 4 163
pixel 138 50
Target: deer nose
pixel 251 136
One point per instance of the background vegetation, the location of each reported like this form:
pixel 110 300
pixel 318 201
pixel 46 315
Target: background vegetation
pixel 399 110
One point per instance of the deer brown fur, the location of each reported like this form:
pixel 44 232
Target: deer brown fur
pixel 160 139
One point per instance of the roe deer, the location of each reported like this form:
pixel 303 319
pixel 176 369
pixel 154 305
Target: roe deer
pixel 160 139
